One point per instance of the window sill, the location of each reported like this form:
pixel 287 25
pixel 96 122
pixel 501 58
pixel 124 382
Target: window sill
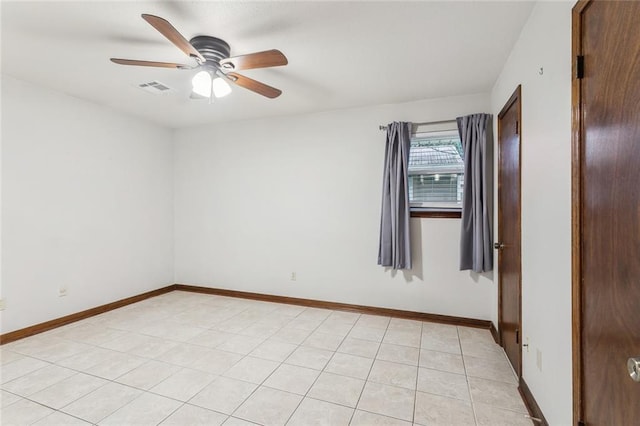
pixel 437 214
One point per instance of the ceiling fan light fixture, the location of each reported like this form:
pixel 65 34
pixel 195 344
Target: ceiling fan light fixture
pixel 201 84
pixel 220 87
pixel 204 84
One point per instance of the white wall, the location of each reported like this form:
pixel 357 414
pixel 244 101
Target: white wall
pixel 546 200
pixel 86 203
pixel 258 200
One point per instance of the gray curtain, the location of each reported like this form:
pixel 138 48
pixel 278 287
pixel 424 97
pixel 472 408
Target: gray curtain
pixel 395 243
pixel 476 134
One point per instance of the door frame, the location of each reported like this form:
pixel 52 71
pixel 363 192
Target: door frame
pixel 516 96
pixel 576 207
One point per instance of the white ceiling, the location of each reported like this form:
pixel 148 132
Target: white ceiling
pixel 341 54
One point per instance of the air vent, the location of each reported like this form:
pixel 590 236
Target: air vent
pixel 155 87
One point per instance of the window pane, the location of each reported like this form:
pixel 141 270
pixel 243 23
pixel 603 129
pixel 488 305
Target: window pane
pixel 434 188
pixel 436 171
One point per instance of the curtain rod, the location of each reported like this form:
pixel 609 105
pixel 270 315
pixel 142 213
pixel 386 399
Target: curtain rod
pixel 425 123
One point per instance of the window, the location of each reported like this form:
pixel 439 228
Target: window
pixel 436 174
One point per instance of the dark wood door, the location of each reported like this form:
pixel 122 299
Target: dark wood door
pixel 608 131
pixel 509 275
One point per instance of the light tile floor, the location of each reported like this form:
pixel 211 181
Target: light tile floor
pixel 193 359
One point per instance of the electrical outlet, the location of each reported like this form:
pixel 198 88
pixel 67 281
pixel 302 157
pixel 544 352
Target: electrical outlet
pixel 62 291
pixel 293 276
pixel 1 304
pixel 539 359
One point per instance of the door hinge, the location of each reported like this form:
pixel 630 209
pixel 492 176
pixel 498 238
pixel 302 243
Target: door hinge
pixel 580 67
pixel 517 128
pixel 517 336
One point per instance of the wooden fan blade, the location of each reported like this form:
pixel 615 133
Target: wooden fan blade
pixel 167 30
pixel 254 86
pixel 149 63
pixel 268 58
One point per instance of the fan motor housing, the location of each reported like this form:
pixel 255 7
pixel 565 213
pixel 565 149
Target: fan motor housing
pixel 213 49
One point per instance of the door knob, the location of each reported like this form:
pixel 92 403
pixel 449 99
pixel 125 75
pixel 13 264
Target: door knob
pixel 633 365
pixel 498 246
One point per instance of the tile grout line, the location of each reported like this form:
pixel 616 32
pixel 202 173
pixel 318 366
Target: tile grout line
pixel 105 384
pixel 323 368
pixel 182 404
pixel 366 380
pixel 217 375
pixel 258 385
pixel 322 371
pixel 81 396
pixel 142 392
pixel 281 363
pixel 244 356
pixel 415 395
pixel 466 376
pixel 513 384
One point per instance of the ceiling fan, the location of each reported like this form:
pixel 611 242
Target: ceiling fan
pixel 213 59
